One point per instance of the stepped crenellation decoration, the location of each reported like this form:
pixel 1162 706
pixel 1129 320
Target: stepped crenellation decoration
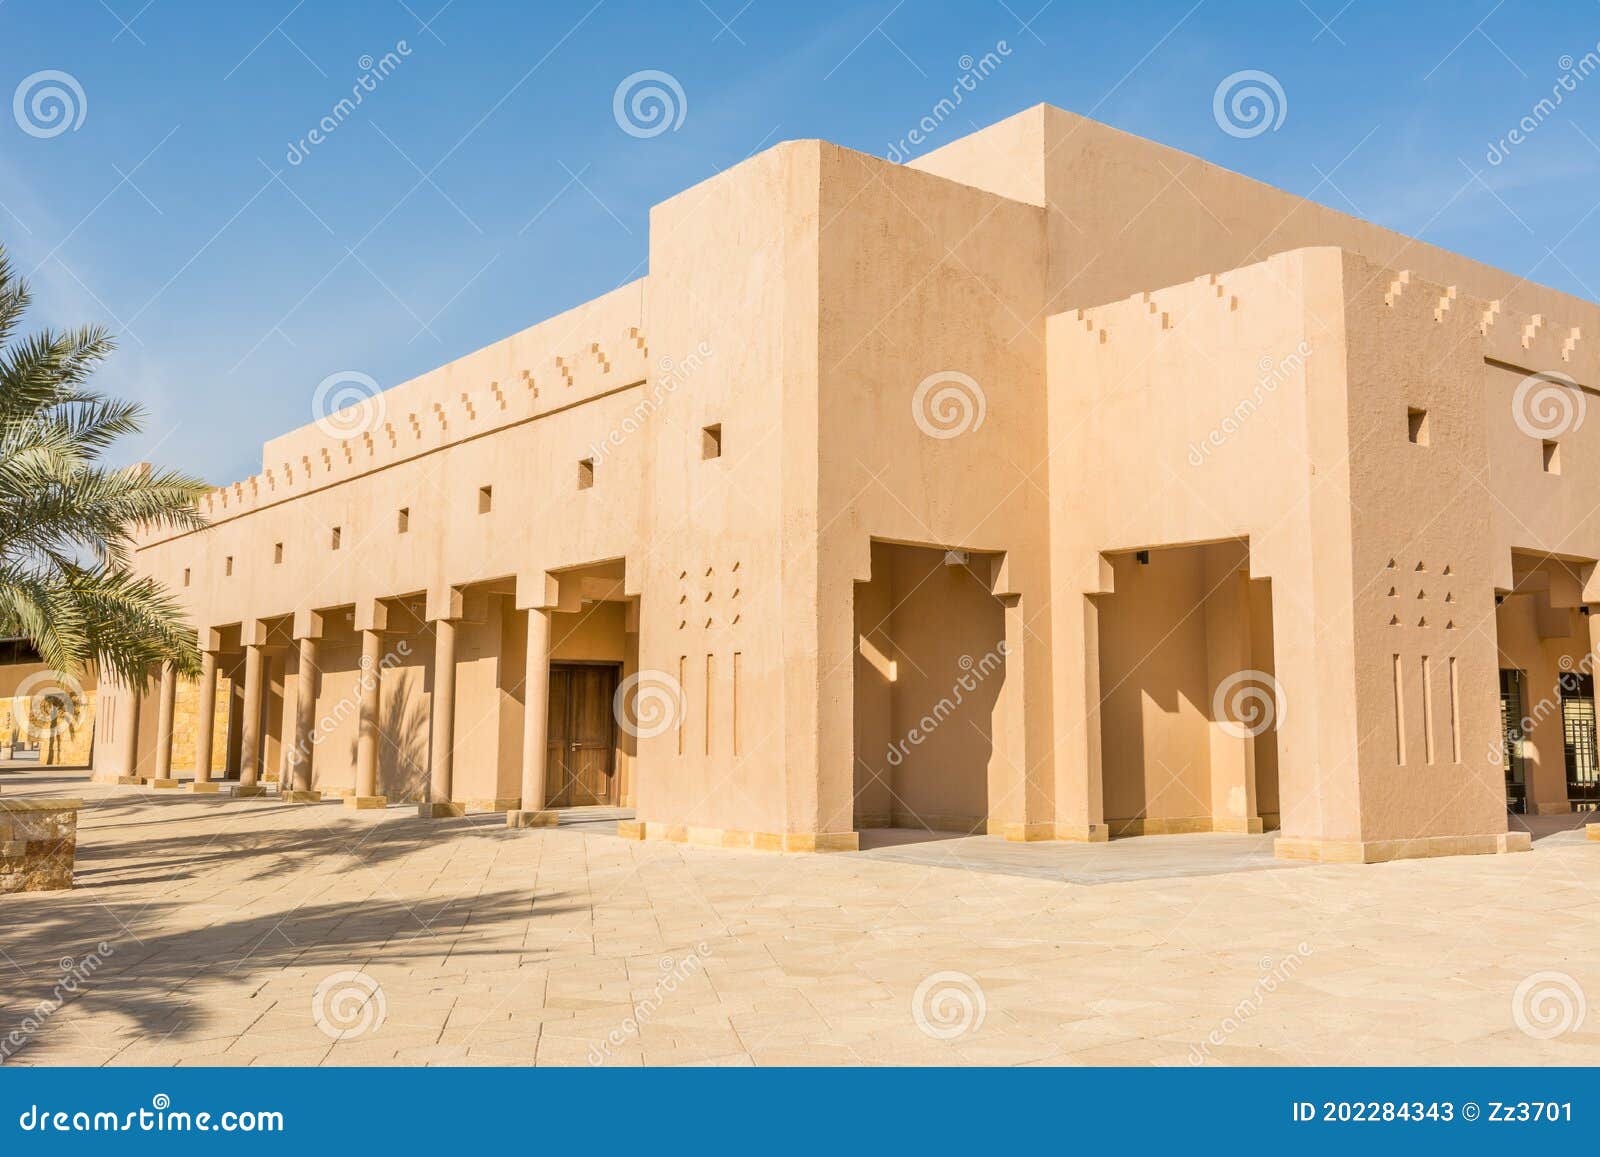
pixel 1535 342
pixel 392 437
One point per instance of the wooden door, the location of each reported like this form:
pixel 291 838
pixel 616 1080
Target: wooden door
pixel 582 735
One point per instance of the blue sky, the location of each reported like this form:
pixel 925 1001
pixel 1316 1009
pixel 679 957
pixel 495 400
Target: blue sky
pixel 484 183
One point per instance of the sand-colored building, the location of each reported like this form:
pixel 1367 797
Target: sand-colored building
pixel 1056 484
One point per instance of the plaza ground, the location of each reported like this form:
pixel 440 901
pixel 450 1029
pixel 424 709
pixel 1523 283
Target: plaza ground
pixel 220 919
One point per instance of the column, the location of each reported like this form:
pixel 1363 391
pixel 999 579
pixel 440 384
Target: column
pixel 1243 702
pixel 535 724
pixel 302 744
pixel 366 795
pixel 116 741
pixel 441 758
pixel 250 725
pixel 205 724
pixel 169 690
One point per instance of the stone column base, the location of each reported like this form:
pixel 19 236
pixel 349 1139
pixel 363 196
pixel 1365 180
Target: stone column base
pixel 1593 830
pixel 499 803
pixel 164 784
pixel 1019 833
pixel 246 790
pixel 1186 826
pixel 734 838
pixel 362 803
pixel 293 796
pixel 1558 808
pixel 1083 833
pixel 1381 851
pixel 441 811
pixel 522 818
pixel 124 780
pixel 205 787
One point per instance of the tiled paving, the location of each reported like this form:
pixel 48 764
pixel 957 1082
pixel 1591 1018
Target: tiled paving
pixel 222 919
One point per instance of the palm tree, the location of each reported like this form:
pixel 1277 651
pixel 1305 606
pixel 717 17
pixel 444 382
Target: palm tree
pixel 67 519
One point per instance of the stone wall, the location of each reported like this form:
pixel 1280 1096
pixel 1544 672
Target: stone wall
pixel 72 742
pixel 38 839
pixel 186 724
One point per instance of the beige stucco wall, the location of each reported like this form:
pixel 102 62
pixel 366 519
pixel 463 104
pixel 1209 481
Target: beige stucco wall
pixel 1166 355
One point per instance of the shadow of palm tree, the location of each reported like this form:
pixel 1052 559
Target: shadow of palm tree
pixel 144 967
pixel 404 735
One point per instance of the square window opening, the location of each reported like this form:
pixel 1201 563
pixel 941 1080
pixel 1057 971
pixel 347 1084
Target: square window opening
pixel 1417 426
